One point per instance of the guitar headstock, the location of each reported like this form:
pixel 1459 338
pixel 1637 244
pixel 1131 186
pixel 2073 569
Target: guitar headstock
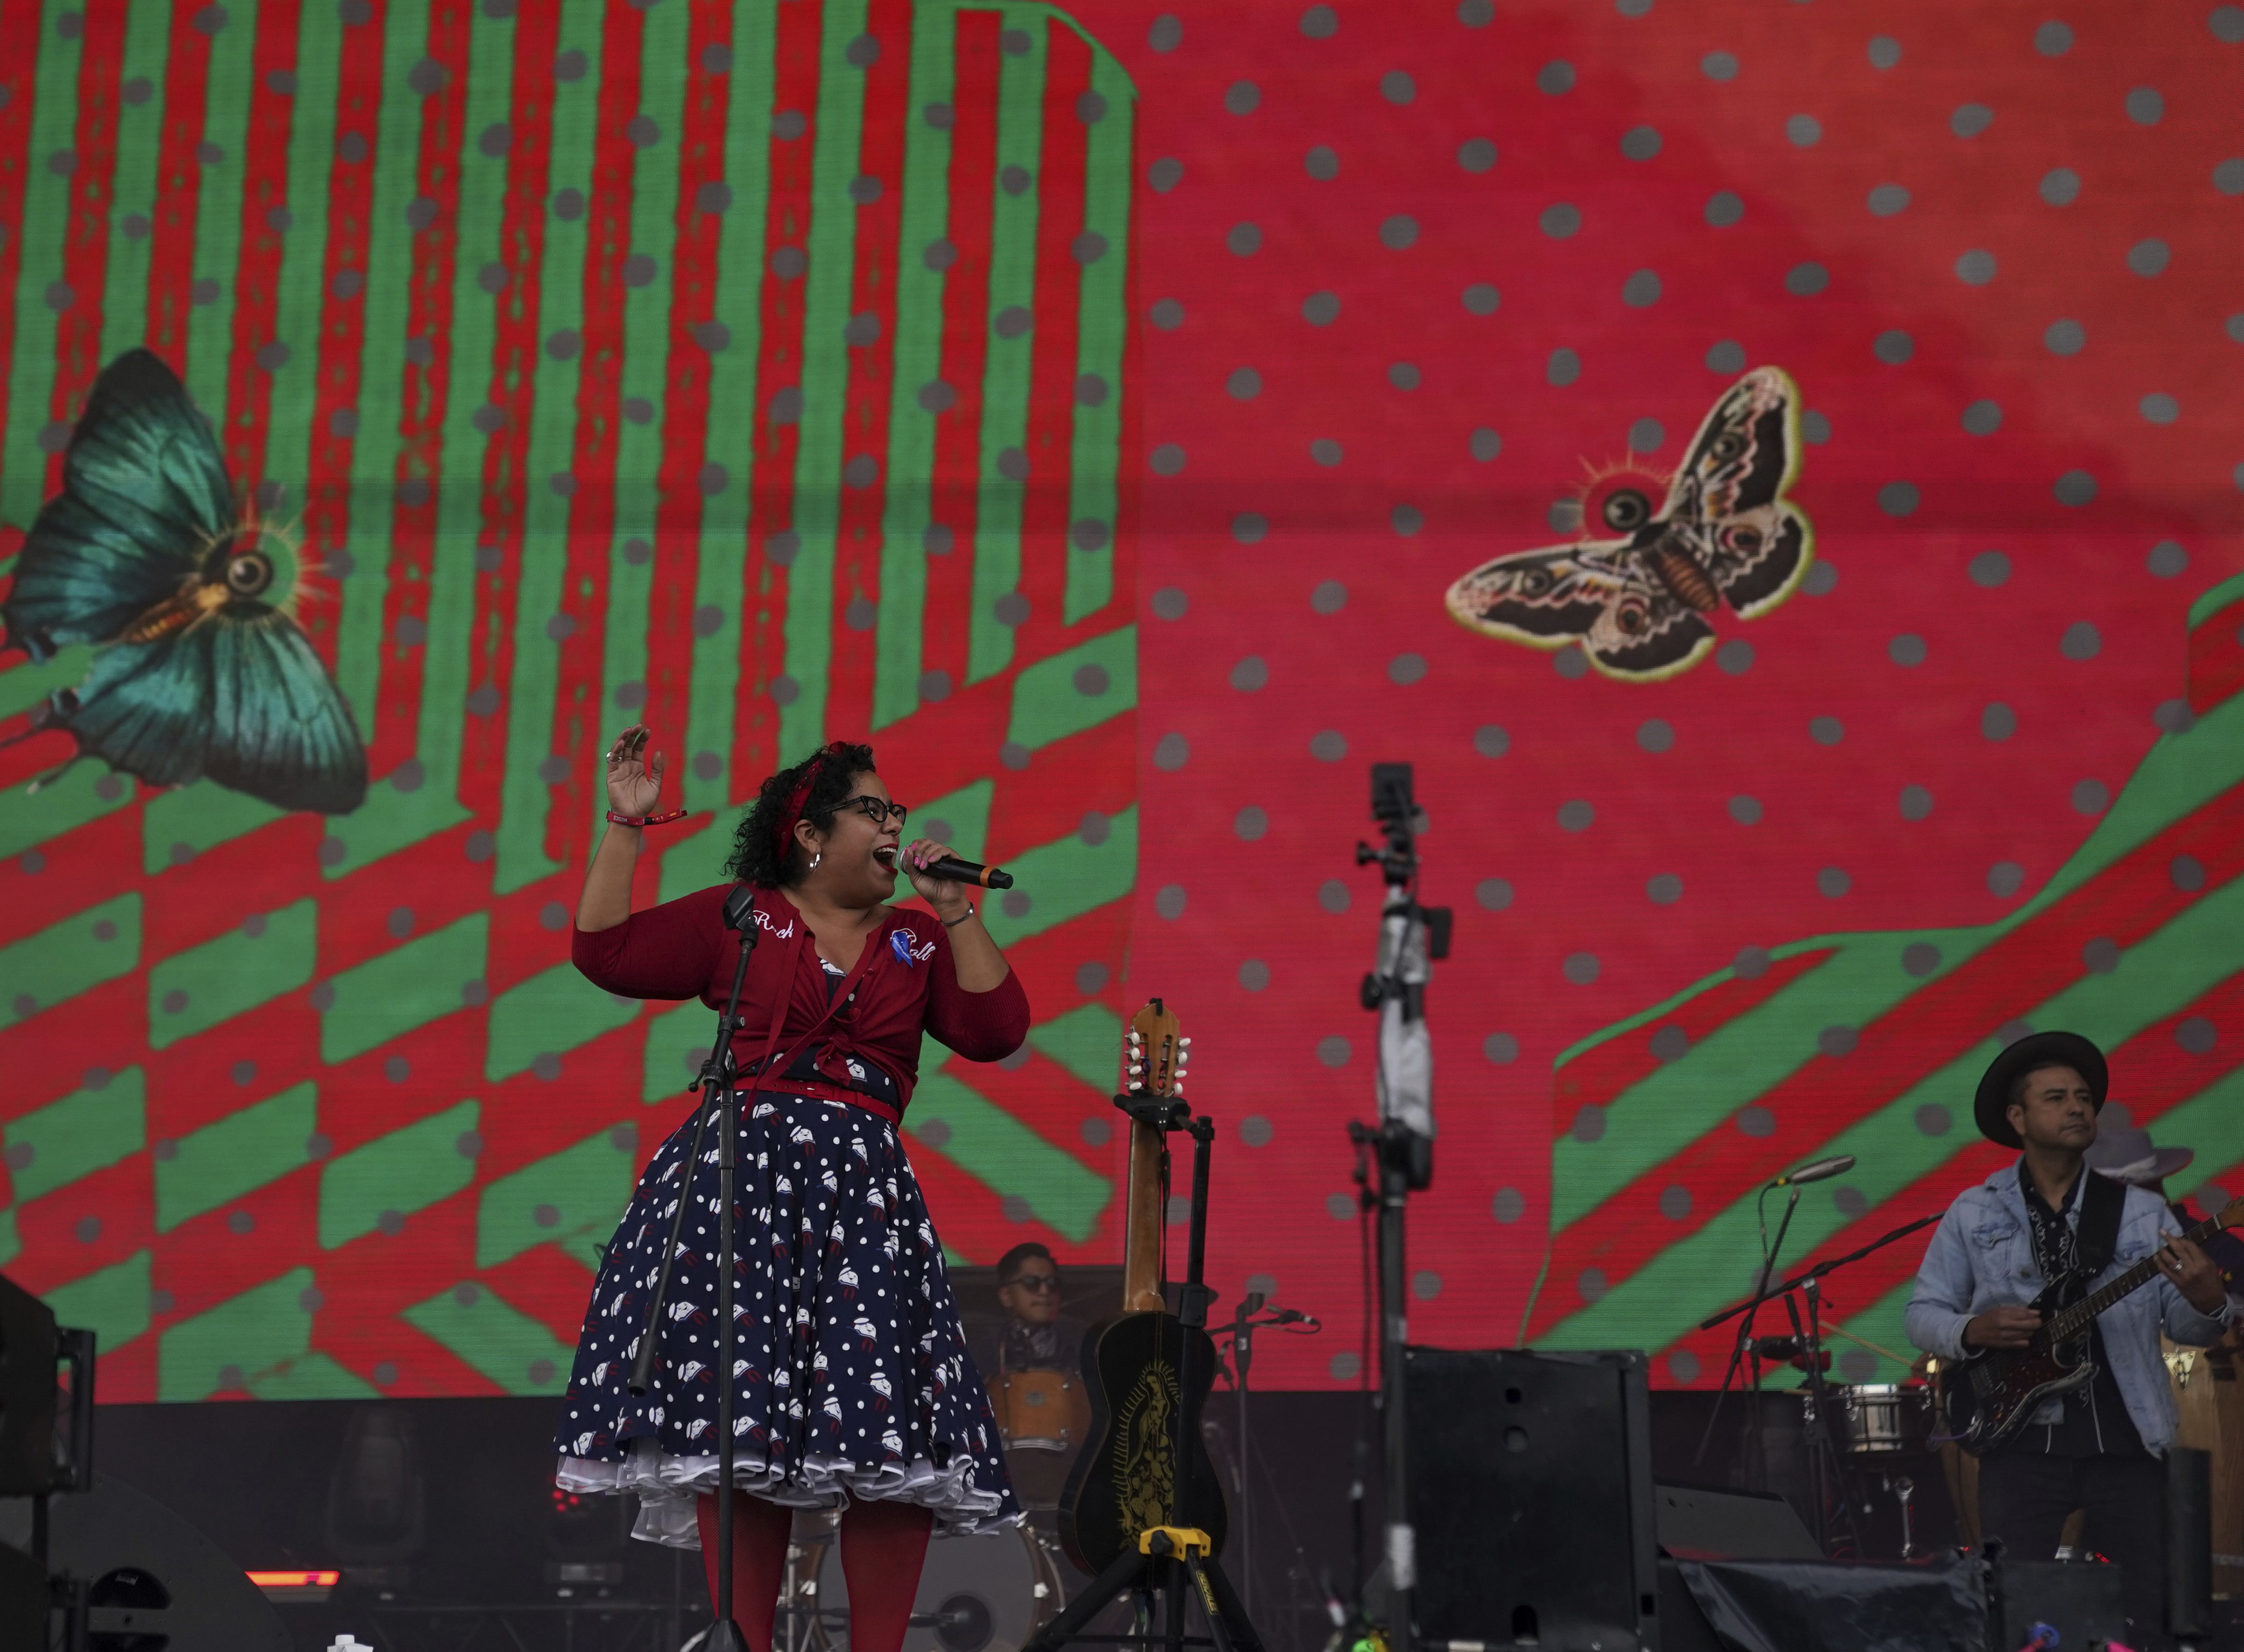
pixel 1154 1051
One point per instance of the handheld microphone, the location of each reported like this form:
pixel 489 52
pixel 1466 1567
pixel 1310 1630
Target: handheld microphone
pixel 1816 1171
pixel 966 871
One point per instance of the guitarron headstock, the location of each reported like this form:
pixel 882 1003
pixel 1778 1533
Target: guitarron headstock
pixel 1154 1051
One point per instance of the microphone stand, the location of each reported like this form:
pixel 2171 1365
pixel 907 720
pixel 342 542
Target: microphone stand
pixel 1745 1346
pixel 719 1095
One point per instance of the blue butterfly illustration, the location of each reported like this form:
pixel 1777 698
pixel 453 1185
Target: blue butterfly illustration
pixel 199 669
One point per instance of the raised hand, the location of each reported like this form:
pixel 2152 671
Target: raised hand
pixel 635 783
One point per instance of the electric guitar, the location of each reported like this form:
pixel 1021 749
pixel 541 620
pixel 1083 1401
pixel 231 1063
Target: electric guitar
pixel 1989 1394
pixel 1123 1482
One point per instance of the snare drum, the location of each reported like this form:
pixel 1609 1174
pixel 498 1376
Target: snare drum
pixel 1039 1410
pixel 1876 1420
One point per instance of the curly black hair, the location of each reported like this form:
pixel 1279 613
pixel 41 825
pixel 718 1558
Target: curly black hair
pixel 758 857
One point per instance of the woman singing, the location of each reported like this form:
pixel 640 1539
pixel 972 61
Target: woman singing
pixel 852 1383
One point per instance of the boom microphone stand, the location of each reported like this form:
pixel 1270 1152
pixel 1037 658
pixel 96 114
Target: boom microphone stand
pixel 1396 1159
pixel 718 1096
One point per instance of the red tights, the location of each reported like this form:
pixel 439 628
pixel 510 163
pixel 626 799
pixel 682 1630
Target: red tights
pixel 883 1545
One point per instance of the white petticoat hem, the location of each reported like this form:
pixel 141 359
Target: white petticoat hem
pixel 666 1488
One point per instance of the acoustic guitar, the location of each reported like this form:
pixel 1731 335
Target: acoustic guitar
pixel 1989 1394
pixel 1122 1483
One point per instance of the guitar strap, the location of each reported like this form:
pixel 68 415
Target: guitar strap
pixel 2102 1202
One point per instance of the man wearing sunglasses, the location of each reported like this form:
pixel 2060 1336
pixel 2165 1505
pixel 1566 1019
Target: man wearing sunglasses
pixel 1035 1337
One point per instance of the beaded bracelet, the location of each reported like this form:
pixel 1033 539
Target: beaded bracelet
pixel 647 820
pixel 953 923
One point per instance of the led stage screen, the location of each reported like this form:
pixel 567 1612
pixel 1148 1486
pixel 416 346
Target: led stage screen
pixel 1120 416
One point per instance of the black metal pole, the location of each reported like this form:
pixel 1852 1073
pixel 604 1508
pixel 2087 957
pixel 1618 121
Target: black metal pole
pixel 1402 1537
pixel 1745 1331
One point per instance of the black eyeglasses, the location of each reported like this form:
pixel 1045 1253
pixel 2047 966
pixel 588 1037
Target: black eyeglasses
pixel 875 810
pixel 1038 1283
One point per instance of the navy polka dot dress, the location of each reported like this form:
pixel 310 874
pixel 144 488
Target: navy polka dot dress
pixel 851 1378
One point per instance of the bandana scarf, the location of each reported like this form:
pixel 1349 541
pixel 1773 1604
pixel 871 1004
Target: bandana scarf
pixel 798 798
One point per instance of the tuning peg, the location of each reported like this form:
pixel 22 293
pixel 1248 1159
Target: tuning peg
pixel 1184 1044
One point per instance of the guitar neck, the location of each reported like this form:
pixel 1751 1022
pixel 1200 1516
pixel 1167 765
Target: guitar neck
pixel 2074 1321
pixel 1141 1247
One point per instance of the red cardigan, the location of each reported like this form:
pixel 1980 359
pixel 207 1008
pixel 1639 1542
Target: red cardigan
pixel 681 950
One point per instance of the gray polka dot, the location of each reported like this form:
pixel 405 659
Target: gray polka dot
pixel 1898 499
pixel 1243 98
pixel 1501 1048
pixel 1747 811
pixel 1555 79
pixel 1663 889
pixel 1640 142
pixel 2174 716
pixel 1814 429
pixel 1328 745
pixel 1807 280
pixel 1670 1043
pixel 1253 975
pixel 2187 873
pixel 1321 163
pixel 1726 355
pixel 1171 752
pixel 2166 559
pixel 1588 1124
pixel 2004 879
pixel 2146 106
pixel 2149 257
pixel 1907 650
pixel 1580 968
pixel 1244 385
pixel 1333 895
pixel 1933 1120
pixel 2064 336
pixel 1561 219
pixel 1998 720
pixel 1248 528
pixel 1329 597
pixel 1250 823
pixel 1167 315
pixel 1971 119
pixel 1803 132
pixel 1168 459
pixel 2198 1036
pixel 1481 299
pixel 1975 267
pixel 1756 1121
pixel 2228 176
pixel 1570 663
pixel 1485 444
pixel 2074 488
pixel 1321 309
pixel 2091 797
pixel 1719 66
pixel 1319 23
pixel 1645 435
pixel 1825 731
pixel 1724 208
pixel 1397 87
pixel 1916 803
pixel 1887 199
pixel 2053 39
pixel 1832 881
pixel 1563 367
pixel 1493 893
pixel 2100 956
pixel 1398 232
pixel 1893 347
pixel 1333 1050
pixel 1406 519
pixel 1836 1041
pixel 1170 603
pixel 1920 959
pixel 1167 33
pixel 1640 290
pixel 1404 376
pixel 2060 187
pixel 2082 640
pixel 1244 240
pixel 1477 154
pixel 1169 903
pixel 1751 964
pixel 1884 52
pixel 1250 674
pixel 1983 418
pixel 2226 22
pixel 1655 734
pixel 2159 407
pixel 1577 815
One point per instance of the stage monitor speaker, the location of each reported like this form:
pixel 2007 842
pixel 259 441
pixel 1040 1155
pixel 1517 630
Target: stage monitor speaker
pixel 2189 1543
pixel 1531 1493
pixel 2079 1599
pixel 29 1346
pixel 1710 1523
pixel 156 1581
pixel 25 1600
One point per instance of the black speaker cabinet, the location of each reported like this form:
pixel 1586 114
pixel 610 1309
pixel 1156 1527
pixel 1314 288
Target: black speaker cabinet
pixel 29 1344
pixel 1531 1491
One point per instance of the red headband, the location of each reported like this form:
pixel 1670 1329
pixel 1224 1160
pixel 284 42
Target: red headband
pixel 798 798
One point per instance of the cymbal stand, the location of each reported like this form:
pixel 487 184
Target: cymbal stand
pixel 1172 1561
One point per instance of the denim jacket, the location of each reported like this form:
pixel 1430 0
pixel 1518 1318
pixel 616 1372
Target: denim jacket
pixel 1982 1257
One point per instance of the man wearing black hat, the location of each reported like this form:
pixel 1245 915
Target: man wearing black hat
pixel 2098 1447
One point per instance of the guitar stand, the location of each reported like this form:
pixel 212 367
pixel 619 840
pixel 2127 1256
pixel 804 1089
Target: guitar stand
pixel 1173 1562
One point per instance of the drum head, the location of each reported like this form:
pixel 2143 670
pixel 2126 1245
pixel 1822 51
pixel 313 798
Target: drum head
pixel 988 1593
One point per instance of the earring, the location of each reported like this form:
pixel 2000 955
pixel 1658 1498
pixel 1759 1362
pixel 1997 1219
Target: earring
pixel 815 859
